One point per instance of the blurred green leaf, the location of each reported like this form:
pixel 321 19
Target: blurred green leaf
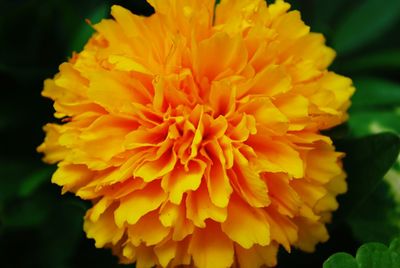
pixel 375 61
pixel 12 173
pixel 395 245
pixel 35 180
pixel 375 92
pixel 364 24
pixel 324 13
pixel 378 219
pixel 85 30
pixel 367 161
pixel 374 121
pixel 25 213
pixel 370 255
pixel 339 132
pixel 67 228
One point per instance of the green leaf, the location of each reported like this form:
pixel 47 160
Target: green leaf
pixel 373 122
pixel 12 174
pixel 364 24
pixel 370 255
pixel 85 31
pixel 395 245
pixel 67 227
pixel 374 61
pixel 376 255
pixel 32 212
pixel 342 260
pixel 324 14
pixel 34 181
pixel 367 161
pixel 383 224
pixel 374 92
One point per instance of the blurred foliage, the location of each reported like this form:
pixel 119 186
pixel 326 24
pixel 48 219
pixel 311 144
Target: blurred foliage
pixel 39 228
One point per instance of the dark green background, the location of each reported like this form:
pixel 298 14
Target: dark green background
pixel 41 228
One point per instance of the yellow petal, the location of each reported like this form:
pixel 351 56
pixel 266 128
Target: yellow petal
pixel 139 203
pixel 246 225
pixel 104 230
pixel 72 177
pixel 231 52
pixel 129 253
pixel 278 8
pixel 180 180
pixel 290 26
pixel 235 16
pixel 165 252
pixel 218 185
pixel 144 137
pixel 309 192
pixel 169 214
pixel 310 233
pixel 323 165
pixel 183 226
pixel 152 170
pixel 282 229
pixel 120 85
pixel 222 98
pixel 270 81
pixel 127 64
pixel 257 256
pixel 104 138
pixel 249 186
pixel 283 197
pixel 99 208
pixel 293 106
pixel 147 230
pixel 211 248
pixel 172 215
pixel 200 208
pixel 266 114
pixel 145 257
pixel 277 156
pixel 51 147
pixel 182 256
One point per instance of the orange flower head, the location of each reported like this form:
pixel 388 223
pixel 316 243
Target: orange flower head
pixel 196 133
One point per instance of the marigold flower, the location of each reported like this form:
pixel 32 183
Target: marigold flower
pixel 196 134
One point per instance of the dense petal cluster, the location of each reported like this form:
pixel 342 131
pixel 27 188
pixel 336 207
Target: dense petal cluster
pixel 196 133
